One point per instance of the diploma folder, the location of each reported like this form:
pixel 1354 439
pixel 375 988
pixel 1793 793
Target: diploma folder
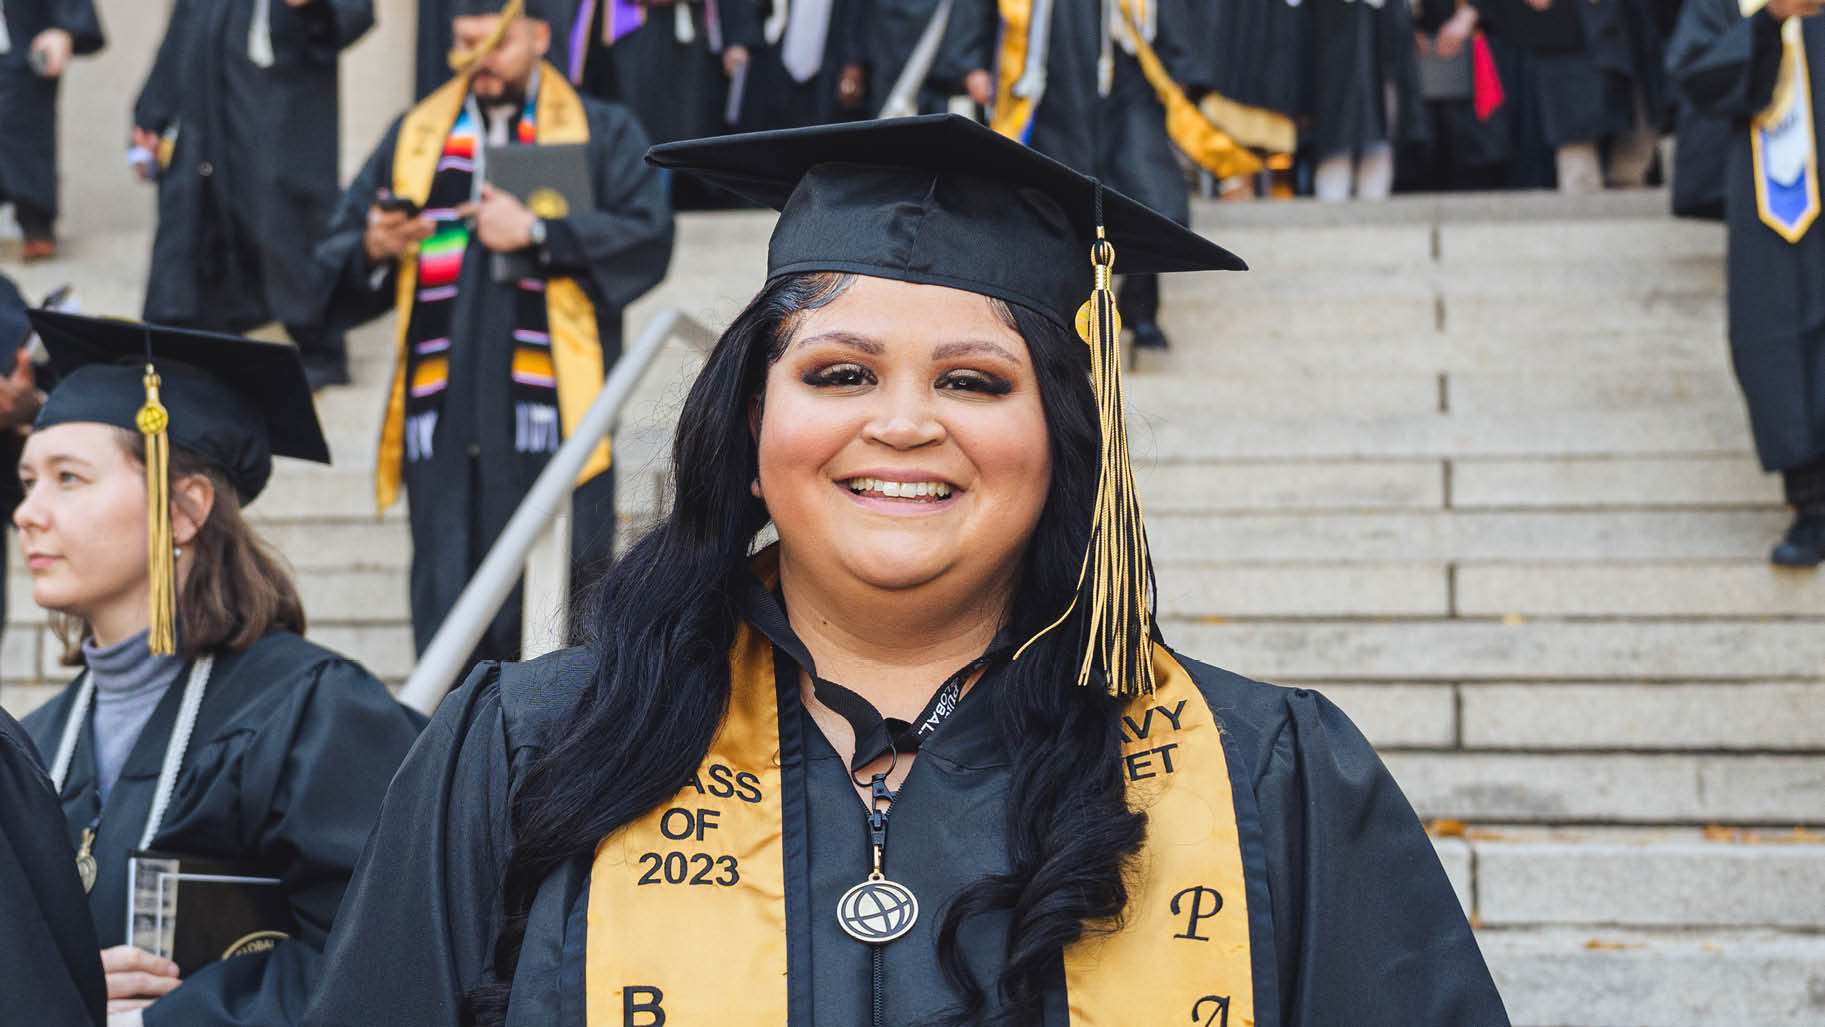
pixel 194 911
pixel 552 180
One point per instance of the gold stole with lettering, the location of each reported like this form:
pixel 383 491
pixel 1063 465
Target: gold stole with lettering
pixel 687 914
pixel 576 349
pixel 1781 140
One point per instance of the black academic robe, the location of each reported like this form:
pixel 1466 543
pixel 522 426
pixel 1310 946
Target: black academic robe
pixel 1349 908
pixel 888 30
pixel 254 172
pixel 1726 66
pixel 1362 53
pixel 50 962
pixel 1590 60
pixel 1120 138
pixel 1461 151
pixel 777 100
pixel 462 497
pixel 28 102
pixel 291 754
pixel 1255 52
pixel 677 89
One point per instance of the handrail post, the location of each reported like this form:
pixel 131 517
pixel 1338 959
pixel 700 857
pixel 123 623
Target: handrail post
pixel 443 660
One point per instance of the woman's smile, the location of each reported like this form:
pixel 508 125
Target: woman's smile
pixel 909 492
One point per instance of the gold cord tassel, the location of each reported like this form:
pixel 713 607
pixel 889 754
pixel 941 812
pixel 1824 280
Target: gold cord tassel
pixel 1113 584
pixel 161 557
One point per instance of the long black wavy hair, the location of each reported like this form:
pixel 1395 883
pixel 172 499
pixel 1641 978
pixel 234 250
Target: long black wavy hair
pixel 665 616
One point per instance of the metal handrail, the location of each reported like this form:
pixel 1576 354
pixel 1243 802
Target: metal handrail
pixel 443 660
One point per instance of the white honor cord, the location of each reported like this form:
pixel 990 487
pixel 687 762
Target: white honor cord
pixel 175 748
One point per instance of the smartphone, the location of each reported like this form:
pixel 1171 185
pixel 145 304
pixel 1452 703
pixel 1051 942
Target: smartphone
pixel 396 204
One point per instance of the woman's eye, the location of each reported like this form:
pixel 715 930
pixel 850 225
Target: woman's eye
pixel 976 381
pixel 67 478
pixel 839 376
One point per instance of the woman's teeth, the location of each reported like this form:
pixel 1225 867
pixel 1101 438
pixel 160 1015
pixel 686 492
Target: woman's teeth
pixel 926 490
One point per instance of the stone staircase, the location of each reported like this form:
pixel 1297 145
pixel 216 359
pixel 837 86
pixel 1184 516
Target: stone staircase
pixel 1474 467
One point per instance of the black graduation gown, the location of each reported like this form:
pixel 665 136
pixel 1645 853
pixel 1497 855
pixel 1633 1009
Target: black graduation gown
pixel 1345 893
pixel 50 963
pixel 1360 52
pixel 1589 61
pixel 1120 138
pixel 254 173
pixel 1462 151
pixel 291 754
pixel 1726 65
pixel 777 100
pixel 461 498
pixel 1256 52
pixel 677 90
pixel 28 102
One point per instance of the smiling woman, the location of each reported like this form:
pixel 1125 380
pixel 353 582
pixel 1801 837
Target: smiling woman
pixel 201 723
pixel 927 759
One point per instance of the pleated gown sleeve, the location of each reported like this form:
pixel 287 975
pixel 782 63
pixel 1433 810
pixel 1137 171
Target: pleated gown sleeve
pixel 351 293
pixel 1367 926
pixel 50 962
pixel 415 930
pixel 292 796
pixel 1724 63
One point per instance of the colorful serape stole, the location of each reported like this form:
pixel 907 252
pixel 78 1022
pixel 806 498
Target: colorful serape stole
pixel 440 266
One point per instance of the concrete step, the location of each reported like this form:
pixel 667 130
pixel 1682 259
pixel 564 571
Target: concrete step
pixel 1748 588
pixel 1641 240
pixel 1704 428
pixel 1697 480
pixel 1522 650
pixel 1648 878
pixel 1311 486
pixel 1440 536
pixel 1217 591
pixel 1613 788
pixel 1607 977
pixel 1196 351
pixel 1634 715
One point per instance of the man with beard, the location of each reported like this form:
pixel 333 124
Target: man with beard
pixel 241 113
pixel 515 360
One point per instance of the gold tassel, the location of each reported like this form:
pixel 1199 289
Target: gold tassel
pixel 1112 584
pixel 462 60
pixel 161 557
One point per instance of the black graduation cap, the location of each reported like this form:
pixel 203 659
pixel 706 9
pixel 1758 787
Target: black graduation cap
pixel 540 9
pixel 940 200
pixel 235 402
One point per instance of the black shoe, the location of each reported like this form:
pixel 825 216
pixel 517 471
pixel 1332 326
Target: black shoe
pixel 321 374
pixel 1147 335
pixel 1804 545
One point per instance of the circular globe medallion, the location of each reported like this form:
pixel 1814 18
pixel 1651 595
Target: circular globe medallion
pixel 877 912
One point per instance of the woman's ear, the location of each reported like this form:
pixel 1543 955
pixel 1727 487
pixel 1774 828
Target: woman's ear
pixel 192 499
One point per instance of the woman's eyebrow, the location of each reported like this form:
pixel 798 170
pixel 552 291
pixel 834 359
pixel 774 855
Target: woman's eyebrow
pixel 970 347
pixel 861 342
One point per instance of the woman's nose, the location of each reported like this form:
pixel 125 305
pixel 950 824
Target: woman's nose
pixel 905 419
pixel 29 513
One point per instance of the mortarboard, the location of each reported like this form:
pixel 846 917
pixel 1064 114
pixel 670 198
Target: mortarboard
pixel 509 10
pixel 232 401
pixel 941 200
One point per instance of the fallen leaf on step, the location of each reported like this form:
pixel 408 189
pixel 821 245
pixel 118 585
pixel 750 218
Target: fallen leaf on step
pixel 1608 946
pixel 1446 828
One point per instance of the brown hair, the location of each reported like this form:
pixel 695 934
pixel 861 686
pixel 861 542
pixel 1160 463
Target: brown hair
pixel 238 588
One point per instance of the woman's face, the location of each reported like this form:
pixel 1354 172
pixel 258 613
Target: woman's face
pixel 902 440
pixel 82 525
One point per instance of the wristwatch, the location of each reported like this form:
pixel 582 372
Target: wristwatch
pixel 537 233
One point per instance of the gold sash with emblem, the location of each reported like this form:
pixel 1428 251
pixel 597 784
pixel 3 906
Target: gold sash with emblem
pixel 576 348
pixel 687 914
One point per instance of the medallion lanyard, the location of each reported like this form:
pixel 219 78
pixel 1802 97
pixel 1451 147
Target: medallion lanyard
pixel 192 700
pixel 878 910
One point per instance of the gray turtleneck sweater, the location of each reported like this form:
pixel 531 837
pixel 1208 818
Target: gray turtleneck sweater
pixel 129 682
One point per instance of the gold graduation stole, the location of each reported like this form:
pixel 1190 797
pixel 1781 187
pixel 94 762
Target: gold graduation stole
pixel 576 349
pixel 1190 130
pixel 1781 140
pixel 687 916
